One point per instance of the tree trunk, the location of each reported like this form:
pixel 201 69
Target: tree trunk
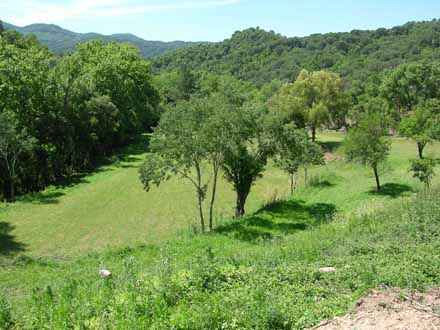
pixel 420 148
pixel 12 191
pixel 200 198
pixel 313 133
pixel 241 201
pixel 376 175
pixel 292 183
pixel 214 190
pixel 306 176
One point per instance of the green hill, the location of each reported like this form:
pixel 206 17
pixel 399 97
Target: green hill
pixel 60 40
pixel 262 56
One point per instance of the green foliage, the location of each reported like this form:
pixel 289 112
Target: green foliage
pixel 369 143
pixel 260 56
pixel 315 98
pixel 79 108
pixel 236 284
pixel 408 84
pixel 295 150
pixel 6 320
pixel 424 170
pixel 421 125
pixel 14 145
pixel 191 133
pixel 247 151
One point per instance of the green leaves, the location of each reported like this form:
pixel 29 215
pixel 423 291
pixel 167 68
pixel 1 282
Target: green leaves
pixel 80 107
pixel 314 99
pixel 423 169
pixel 421 125
pixel 369 143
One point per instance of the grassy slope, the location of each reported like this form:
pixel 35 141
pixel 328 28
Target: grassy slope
pixel 301 247
pixel 110 209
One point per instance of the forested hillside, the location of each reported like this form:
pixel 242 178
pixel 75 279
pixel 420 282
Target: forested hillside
pixel 262 56
pixel 60 40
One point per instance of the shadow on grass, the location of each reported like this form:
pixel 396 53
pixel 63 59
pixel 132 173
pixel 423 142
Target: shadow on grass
pixel 330 146
pixel 321 184
pixel 42 197
pixel 8 245
pixel 393 190
pixel 126 157
pixel 279 218
pixel 75 179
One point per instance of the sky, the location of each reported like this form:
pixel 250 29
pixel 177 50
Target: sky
pixel 215 20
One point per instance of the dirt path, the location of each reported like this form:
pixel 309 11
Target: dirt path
pixel 391 310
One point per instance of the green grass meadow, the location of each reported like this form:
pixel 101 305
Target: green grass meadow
pixel 109 208
pixel 256 273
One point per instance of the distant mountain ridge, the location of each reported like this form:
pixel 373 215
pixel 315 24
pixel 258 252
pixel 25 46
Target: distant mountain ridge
pixel 60 40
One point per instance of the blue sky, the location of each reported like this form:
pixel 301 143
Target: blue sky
pixel 214 20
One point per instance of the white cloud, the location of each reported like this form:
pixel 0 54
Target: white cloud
pixel 39 11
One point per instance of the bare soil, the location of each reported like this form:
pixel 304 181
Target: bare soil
pixel 393 309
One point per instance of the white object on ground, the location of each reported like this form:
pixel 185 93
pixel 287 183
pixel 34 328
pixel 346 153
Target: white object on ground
pixel 327 270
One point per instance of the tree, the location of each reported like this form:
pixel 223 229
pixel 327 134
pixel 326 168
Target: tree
pixel 423 169
pixel 79 107
pixel 312 155
pixel 14 143
pixel 314 99
pixel 369 143
pixel 2 27
pixel 246 152
pixel 409 84
pixel 420 126
pixel 192 133
pixel 295 150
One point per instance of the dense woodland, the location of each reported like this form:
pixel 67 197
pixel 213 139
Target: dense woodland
pixel 358 56
pixel 62 115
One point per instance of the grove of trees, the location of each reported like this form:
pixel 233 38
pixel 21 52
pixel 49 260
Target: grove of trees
pixel 60 116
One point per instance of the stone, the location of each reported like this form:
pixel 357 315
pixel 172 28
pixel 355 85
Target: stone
pixel 327 270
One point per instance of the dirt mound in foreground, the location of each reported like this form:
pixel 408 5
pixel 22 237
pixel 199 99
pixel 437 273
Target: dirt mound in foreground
pixel 391 310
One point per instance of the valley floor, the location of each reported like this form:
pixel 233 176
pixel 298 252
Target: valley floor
pixel 257 273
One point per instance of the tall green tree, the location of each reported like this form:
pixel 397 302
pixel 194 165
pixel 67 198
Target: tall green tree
pixel 79 107
pixel 316 98
pixel 247 152
pixel 421 126
pixel 14 143
pixel 188 137
pixel 295 150
pixel 369 143
pixel 405 86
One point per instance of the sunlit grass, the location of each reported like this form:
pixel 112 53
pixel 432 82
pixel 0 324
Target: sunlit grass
pixel 272 255
pixel 109 208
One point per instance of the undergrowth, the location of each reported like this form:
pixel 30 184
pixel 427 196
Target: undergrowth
pixel 258 273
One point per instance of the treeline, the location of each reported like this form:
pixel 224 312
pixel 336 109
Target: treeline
pixel 59 116
pixel 259 56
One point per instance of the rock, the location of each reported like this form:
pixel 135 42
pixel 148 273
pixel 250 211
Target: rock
pixel 104 273
pixel 327 270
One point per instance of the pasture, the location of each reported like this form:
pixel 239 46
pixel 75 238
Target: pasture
pixel 109 209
